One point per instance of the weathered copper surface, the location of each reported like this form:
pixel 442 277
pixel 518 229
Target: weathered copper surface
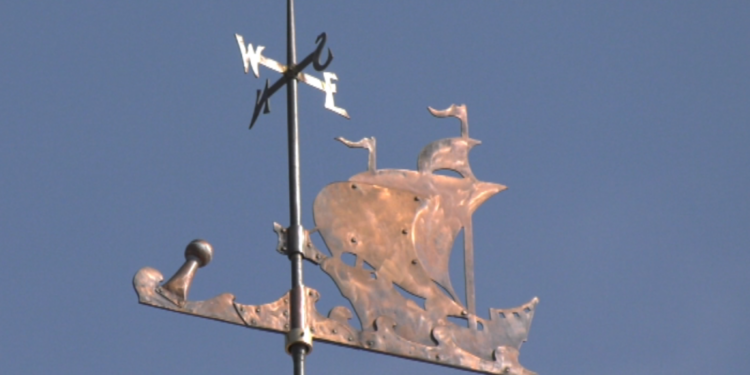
pixel 368 143
pixel 309 251
pixel 399 226
pixel 197 254
pixel 335 329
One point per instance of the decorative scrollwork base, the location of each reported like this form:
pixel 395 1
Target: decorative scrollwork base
pixel 334 329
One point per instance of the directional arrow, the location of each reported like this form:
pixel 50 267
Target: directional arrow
pixel 252 58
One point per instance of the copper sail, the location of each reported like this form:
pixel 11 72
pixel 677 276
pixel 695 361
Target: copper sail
pixel 400 226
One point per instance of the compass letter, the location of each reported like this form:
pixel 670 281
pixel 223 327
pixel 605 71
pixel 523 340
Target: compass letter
pixel 330 89
pixel 250 57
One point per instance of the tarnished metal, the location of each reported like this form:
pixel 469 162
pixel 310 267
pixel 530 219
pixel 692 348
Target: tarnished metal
pixel 197 254
pixel 309 250
pixel 297 319
pixel 382 336
pixel 400 226
pixel 453 154
pixel 368 143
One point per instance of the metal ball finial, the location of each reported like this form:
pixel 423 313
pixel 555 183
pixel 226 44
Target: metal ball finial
pixel 201 250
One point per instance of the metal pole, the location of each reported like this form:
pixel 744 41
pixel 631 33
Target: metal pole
pixel 296 232
pixel 471 302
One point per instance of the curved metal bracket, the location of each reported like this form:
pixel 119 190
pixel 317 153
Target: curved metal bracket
pixel 309 251
pixel 321 42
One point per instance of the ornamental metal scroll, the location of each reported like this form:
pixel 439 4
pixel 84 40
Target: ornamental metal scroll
pixel 400 225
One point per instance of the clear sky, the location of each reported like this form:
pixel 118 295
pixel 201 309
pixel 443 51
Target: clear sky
pixel 622 129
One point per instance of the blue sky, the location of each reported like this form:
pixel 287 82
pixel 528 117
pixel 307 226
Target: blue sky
pixel 621 129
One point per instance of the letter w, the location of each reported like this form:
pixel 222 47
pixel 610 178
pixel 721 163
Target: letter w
pixel 249 57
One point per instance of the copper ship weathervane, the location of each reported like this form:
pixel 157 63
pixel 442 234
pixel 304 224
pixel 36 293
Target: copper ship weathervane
pixel 398 225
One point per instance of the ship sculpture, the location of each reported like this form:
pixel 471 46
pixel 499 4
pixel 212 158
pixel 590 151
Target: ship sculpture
pixel 400 227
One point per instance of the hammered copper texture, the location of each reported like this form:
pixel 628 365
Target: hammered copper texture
pixel 400 227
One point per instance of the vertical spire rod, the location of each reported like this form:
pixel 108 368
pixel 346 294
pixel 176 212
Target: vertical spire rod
pixel 296 232
pixel 295 200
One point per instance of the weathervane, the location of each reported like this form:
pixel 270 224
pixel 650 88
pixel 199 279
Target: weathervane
pixel 252 57
pixel 398 225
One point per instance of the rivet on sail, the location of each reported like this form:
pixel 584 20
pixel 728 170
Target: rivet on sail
pixel 401 226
